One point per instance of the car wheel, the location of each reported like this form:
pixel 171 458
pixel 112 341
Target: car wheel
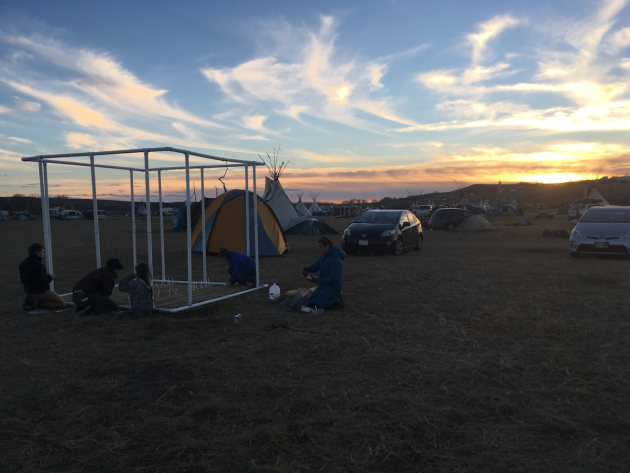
pixel 400 246
pixel 418 246
pixel 450 227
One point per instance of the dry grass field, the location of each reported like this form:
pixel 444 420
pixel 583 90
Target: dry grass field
pixel 482 352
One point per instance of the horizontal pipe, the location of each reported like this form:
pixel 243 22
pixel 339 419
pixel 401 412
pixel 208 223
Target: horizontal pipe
pixel 199 304
pixel 95 165
pixel 208 283
pixel 143 150
pixel 222 166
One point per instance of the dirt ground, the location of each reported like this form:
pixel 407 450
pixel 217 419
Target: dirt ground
pixel 483 352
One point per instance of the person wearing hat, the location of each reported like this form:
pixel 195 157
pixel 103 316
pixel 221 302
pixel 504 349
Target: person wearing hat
pixel 93 291
pixel 37 282
pixel 241 267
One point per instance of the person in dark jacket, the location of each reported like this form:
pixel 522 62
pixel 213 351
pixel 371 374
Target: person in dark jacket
pixel 242 268
pixel 140 286
pixel 37 282
pixel 330 280
pixel 93 291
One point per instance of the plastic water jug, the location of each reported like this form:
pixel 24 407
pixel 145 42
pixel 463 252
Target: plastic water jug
pixel 274 291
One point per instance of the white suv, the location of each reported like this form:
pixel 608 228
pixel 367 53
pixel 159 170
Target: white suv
pixel 423 211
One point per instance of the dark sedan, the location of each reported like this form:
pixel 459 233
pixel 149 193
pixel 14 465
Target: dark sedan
pixel 448 219
pixel 384 231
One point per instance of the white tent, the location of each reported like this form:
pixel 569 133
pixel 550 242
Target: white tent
pixel 301 208
pixel 314 207
pixel 142 211
pixel 276 198
pixel 595 195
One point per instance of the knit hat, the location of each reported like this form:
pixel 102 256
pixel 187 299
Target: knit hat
pixel 34 248
pixel 224 251
pixel 114 263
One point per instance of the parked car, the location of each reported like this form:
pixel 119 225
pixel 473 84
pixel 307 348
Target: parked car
pixel 448 219
pixel 576 211
pixel 475 209
pixel 70 215
pixel 423 211
pixel 383 230
pixel 602 230
pixel 89 215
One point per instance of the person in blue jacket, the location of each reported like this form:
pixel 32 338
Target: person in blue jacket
pixel 330 279
pixel 242 268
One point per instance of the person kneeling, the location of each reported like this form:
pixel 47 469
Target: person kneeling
pixel 242 268
pixel 93 291
pixel 140 286
pixel 37 282
pixel 329 290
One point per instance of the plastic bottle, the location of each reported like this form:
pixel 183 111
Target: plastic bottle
pixel 274 291
pixel 237 318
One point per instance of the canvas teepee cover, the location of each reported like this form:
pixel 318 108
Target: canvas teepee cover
pixel 225 226
pixel 301 209
pixel 142 211
pixel 276 198
pixel 595 195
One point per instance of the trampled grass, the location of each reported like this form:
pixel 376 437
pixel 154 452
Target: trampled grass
pixel 482 352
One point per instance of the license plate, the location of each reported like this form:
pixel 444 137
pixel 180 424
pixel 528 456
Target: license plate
pixel 601 245
pixel 363 242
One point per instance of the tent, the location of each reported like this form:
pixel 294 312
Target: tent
pixel 301 208
pixel 225 226
pixel 276 198
pixel 142 211
pixel 476 223
pixel 314 207
pixel 309 226
pixel 595 195
pixel 3 217
pixel 195 215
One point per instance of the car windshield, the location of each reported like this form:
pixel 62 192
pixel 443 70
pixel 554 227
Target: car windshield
pixel 595 215
pixel 380 217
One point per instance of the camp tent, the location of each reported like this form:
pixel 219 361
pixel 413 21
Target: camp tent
pixel 314 208
pixel 276 198
pixel 301 208
pixel 309 226
pixel 595 195
pixel 142 211
pixel 476 223
pixel 181 217
pixel 225 226
pixel 3 217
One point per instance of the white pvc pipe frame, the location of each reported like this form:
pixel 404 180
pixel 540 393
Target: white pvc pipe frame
pixel 44 160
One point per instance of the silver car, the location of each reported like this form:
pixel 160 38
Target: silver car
pixel 602 231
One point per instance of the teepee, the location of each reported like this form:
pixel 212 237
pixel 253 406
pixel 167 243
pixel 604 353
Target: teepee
pixel 314 207
pixel 300 207
pixel 274 194
pixel 597 197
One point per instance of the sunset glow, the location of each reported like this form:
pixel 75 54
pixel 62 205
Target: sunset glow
pixel 479 93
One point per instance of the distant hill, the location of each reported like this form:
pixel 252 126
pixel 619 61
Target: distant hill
pixel 33 204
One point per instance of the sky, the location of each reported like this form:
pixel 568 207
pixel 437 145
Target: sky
pixel 366 99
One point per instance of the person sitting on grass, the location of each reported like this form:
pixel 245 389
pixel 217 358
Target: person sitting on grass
pixel 330 279
pixel 242 268
pixel 37 282
pixel 140 286
pixel 92 292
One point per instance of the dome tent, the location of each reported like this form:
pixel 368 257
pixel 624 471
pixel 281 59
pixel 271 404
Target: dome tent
pixel 225 226
pixel 309 226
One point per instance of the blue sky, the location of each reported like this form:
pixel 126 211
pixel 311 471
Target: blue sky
pixel 365 98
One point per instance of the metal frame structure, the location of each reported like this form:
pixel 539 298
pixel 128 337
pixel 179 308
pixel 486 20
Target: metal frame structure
pixel 44 160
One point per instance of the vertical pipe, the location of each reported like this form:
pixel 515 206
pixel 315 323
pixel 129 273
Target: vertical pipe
pixel 161 224
pixel 189 230
pixel 148 204
pixel 247 235
pixel 133 220
pixel 44 210
pixel 97 240
pixel 256 226
pixel 204 245
pixel 49 258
